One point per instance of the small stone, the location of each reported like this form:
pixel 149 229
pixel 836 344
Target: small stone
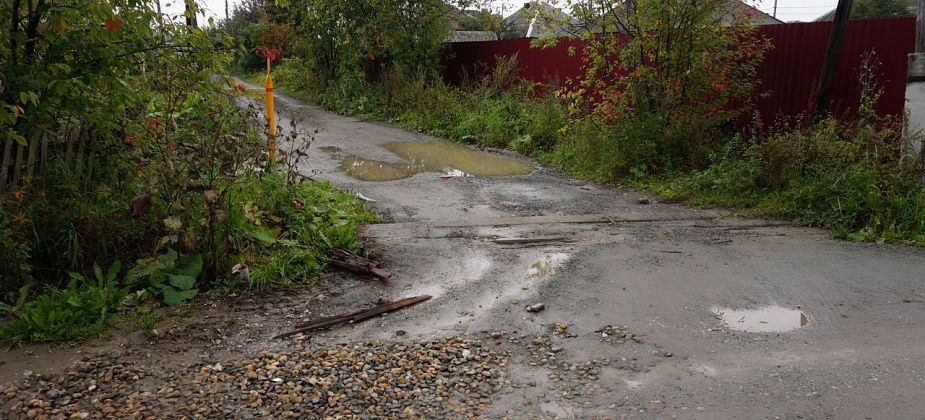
pixel 643 201
pixel 537 307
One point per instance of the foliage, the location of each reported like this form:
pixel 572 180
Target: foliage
pixel 849 178
pixel 149 159
pixel 882 9
pixel 346 40
pixel 82 308
pixel 284 231
pixel 170 276
pixel 674 66
pixel 497 110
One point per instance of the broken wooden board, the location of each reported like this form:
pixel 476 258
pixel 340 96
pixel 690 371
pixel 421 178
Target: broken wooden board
pixel 575 219
pixel 349 261
pixel 356 316
pixel 526 242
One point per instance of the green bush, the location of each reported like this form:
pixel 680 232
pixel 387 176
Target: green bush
pixel 81 309
pixel 853 179
pixel 284 232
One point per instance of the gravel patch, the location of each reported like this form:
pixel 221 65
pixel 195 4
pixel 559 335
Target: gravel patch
pixel 449 377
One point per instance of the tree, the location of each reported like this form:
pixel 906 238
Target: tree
pixel 360 40
pixel 882 9
pixel 685 60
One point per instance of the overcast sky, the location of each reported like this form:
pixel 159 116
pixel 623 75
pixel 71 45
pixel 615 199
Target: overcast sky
pixel 787 10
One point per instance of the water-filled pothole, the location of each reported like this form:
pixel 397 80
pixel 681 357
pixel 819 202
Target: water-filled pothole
pixel 543 268
pixel 767 319
pixel 446 157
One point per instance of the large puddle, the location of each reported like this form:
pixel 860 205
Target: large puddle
pixel 767 319
pixel 451 159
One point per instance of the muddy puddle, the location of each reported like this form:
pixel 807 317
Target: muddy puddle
pixel 544 267
pixel 451 159
pixel 767 319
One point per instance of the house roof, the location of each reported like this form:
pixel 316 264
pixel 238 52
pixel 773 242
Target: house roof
pixel 536 19
pixel 756 16
pixel 471 36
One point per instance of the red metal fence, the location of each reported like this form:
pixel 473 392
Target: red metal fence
pixel 789 73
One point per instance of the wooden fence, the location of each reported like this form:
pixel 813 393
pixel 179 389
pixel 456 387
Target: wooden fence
pixel 70 143
pixel 788 75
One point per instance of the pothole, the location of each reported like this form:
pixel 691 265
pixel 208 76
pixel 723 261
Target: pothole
pixel 767 319
pixel 374 170
pixel 451 159
pixel 546 266
pixel 441 155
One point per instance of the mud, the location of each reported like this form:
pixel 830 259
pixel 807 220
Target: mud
pixel 658 272
pixel 450 159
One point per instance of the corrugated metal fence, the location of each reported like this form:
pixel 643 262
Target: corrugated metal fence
pixel 789 73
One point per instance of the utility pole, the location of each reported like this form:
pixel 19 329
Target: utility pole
pixel 226 9
pixel 832 54
pixel 775 9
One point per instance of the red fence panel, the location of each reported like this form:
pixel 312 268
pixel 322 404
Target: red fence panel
pixel 790 72
pixel 788 75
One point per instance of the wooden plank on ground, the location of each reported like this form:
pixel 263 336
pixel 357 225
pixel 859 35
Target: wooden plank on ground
pixel 356 316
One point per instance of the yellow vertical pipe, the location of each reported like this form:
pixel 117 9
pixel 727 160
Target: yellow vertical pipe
pixel 271 118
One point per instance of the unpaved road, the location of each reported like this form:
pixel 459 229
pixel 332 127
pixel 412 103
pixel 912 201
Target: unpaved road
pixel 662 272
pixel 861 355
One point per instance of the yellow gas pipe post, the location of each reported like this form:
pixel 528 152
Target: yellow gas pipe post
pixel 271 119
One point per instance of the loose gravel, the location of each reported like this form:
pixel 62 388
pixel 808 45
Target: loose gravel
pixel 450 377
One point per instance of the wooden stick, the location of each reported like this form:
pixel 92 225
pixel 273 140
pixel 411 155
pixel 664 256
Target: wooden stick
pixel 356 316
pixel 349 261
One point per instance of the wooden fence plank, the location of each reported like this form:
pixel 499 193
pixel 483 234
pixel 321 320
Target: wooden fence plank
pixel 5 165
pixel 17 165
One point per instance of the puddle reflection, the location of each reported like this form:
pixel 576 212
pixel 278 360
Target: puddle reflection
pixel 454 160
pixel 767 319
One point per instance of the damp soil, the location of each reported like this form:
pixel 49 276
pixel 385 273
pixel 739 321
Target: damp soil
pixel 452 159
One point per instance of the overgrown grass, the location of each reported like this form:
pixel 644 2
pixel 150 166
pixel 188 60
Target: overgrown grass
pixel 282 233
pixel 852 179
pixel 495 111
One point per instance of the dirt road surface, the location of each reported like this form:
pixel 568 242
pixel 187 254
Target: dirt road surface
pixel 650 309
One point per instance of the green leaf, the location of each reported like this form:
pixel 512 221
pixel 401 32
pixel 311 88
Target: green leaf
pixel 181 282
pixel 98 272
pixel 113 272
pixel 77 277
pixel 261 234
pixel 188 265
pixel 176 297
pixel 168 258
